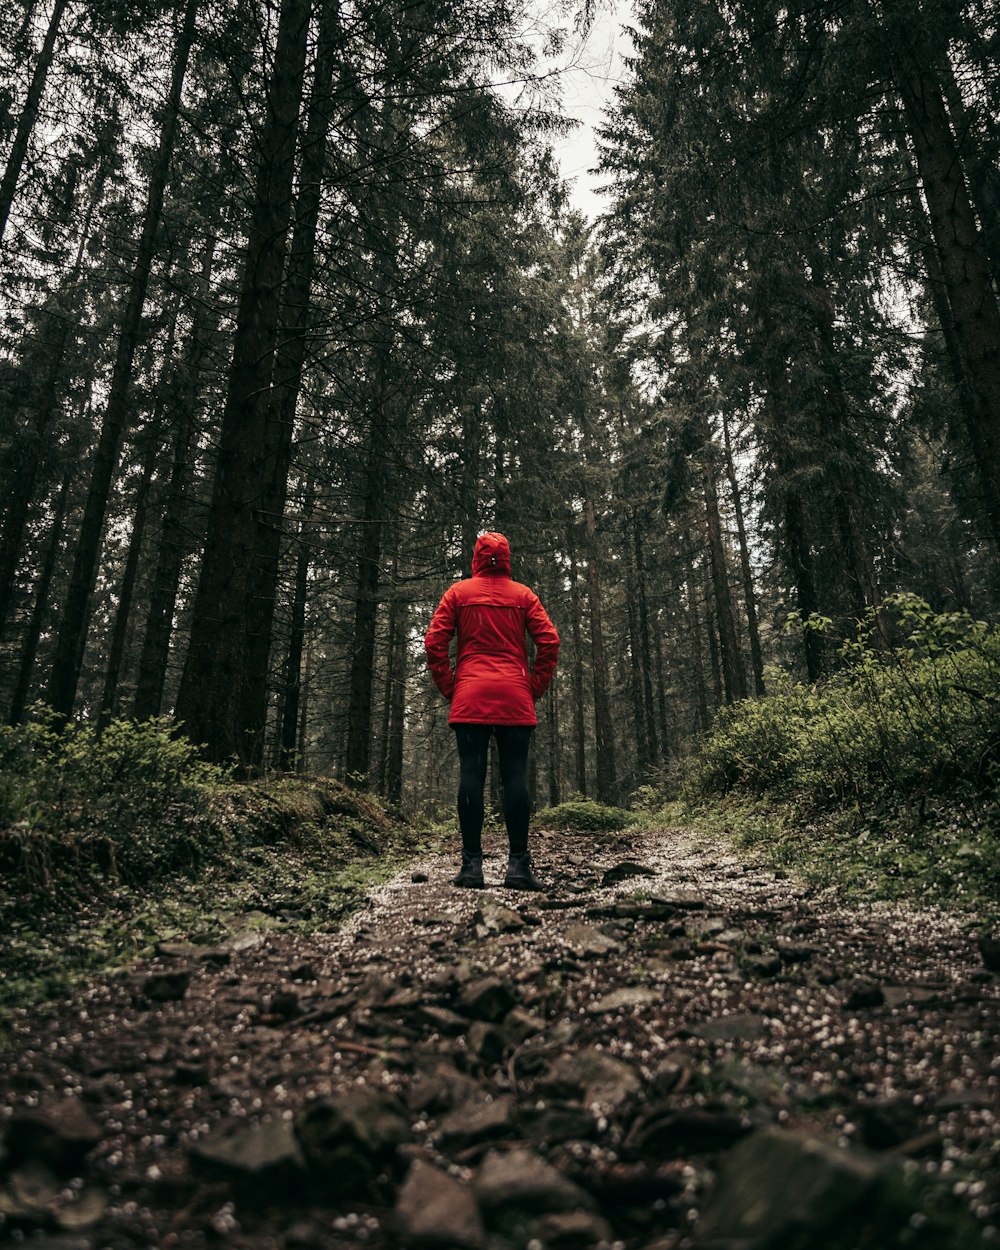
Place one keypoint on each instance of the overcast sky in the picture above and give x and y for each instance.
(595, 68)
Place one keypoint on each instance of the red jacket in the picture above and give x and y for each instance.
(491, 683)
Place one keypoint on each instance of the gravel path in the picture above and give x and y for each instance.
(604, 1064)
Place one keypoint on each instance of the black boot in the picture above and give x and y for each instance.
(470, 874)
(519, 874)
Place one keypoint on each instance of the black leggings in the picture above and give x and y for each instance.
(513, 742)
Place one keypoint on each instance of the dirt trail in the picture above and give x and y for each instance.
(669, 1047)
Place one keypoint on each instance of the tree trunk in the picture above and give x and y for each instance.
(173, 542)
(579, 730)
(287, 760)
(644, 646)
(661, 695)
(397, 705)
(288, 364)
(749, 596)
(29, 115)
(555, 753)
(72, 637)
(695, 632)
(964, 261)
(123, 613)
(733, 672)
(38, 609)
(603, 726)
(210, 700)
(635, 674)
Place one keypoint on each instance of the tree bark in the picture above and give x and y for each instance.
(289, 759)
(603, 726)
(733, 672)
(210, 699)
(964, 261)
(41, 603)
(29, 115)
(289, 360)
(697, 664)
(749, 595)
(644, 643)
(72, 637)
(579, 730)
(173, 540)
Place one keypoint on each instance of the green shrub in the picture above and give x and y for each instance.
(581, 813)
(921, 717)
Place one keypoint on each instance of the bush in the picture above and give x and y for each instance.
(581, 813)
(919, 718)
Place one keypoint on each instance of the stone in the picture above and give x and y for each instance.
(694, 1129)
(583, 939)
(559, 1122)
(777, 1188)
(797, 952)
(261, 1161)
(440, 1090)
(441, 1019)
(744, 1026)
(84, 1213)
(284, 1005)
(29, 1197)
(519, 1025)
(493, 917)
(519, 1180)
(179, 950)
(573, 1228)
(303, 972)
(621, 1000)
(763, 965)
(419, 878)
(862, 994)
(58, 1134)
(243, 940)
(989, 949)
(482, 1120)
(683, 900)
(486, 1042)
(597, 1078)
(488, 999)
(167, 987)
(627, 869)
(434, 1209)
(347, 1140)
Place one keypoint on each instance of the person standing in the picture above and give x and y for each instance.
(492, 690)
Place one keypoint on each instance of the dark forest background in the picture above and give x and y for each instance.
(292, 306)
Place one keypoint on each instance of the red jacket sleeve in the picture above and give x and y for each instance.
(439, 634)
(546, 640)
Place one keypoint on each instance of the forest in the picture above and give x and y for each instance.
(294, 305)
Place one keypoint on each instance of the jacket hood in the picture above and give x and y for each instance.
(492, 555)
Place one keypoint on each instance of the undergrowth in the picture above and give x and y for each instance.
(883, 777)
(109, 844)
(585, 814)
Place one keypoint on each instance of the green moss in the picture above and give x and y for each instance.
(584, 814)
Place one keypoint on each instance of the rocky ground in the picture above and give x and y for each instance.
(670, 1047)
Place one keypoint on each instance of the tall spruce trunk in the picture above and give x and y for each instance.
(644, 640)
(289, 360)
(29, 650)
(734, 676)
(696, 634)
(635, 674)
(605, 779)
(289, 758)
(963, 256)
(746, 571)
(579, 730)
(397, 704)
(72, 638)
(29, 115)
(21, 489)
(174, 542)
(126, 589)
(210, 699)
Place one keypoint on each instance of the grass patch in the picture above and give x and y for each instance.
(110, 844)
(585, 814)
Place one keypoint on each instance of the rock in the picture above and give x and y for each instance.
(261, 1161)
(244, 940)
(573, 1228)
(419, 878)
(693, 1130)
(284, 1005)
(559, 1122)
(621, 1000)
(167, 987)
(520, 1180)
(493, 917)
(303, 972)
(29, 1197)
(777, 1188)
(586, 940)
(434, 1209)
(667, 1075)
(441, 1019)
(519, 1025)
(989, 948)
(907, 995)
(863, 994)
(489, 999)
(84, 1213)
(620, 1183)
(889, 1123)
(486, 1042)
(683, 900)
(597, 1078)
(763, 965)
(797, 952)
(59, 1134)
(484, 1120)
(744, 1026)
(440, 1090)
(179, 950)
(348, 1139)
(627, 869)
